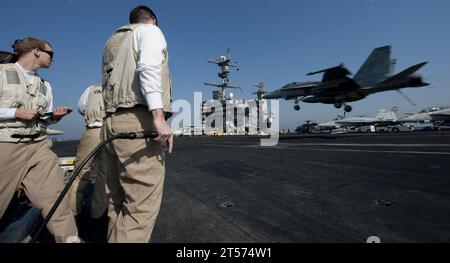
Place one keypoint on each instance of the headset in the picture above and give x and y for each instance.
(9, 57)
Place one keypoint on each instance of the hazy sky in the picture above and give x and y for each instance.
(275, 41)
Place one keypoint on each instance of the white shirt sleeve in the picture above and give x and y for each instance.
(82, 102)
(149, 44)
(7, 114)
(50, 104)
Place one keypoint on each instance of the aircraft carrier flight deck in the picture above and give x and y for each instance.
(309, 188)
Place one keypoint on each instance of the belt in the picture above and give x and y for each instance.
(25, 136)
(167, 114)
(129, 108)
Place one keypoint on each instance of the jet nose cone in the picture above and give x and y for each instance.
(266, 96)
(269, 95)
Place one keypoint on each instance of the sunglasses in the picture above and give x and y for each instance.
(50, 53)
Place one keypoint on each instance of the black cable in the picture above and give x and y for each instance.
(128, 136)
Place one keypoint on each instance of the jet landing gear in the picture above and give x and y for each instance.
(296, 106)
(347, 108)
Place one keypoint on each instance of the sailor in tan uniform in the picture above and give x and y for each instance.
(137, 94)
(26, 161)
(90, 105)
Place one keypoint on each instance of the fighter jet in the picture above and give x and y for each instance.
(336, 87)
(441, 113)
(384, 117)
(329, 125)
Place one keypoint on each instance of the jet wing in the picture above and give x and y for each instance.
(365, 123)
(353, 124)
(333, 73)
(301, 85)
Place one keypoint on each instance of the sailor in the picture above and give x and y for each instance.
(137, 94)
(90, 105)
(27, 162)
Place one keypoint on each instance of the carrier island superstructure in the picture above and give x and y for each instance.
(225, 114)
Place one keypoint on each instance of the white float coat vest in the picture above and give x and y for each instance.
(95, 110)
(121, 86)
(16, 92)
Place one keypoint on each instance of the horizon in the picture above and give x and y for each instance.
(277, 42)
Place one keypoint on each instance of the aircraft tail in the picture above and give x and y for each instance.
(405, 73)
(375, 68)
(386, 115)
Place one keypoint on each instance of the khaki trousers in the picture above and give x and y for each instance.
(34, 168)
(135, 177)
(99, 204)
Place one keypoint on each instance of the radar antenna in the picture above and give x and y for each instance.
(225, 63)
(261, 89)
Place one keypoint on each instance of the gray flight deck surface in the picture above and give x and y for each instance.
(316, 188)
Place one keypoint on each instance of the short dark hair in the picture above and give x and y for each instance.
(23, 46)
(141, 14)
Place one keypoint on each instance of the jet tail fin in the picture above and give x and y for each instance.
(375, 68)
